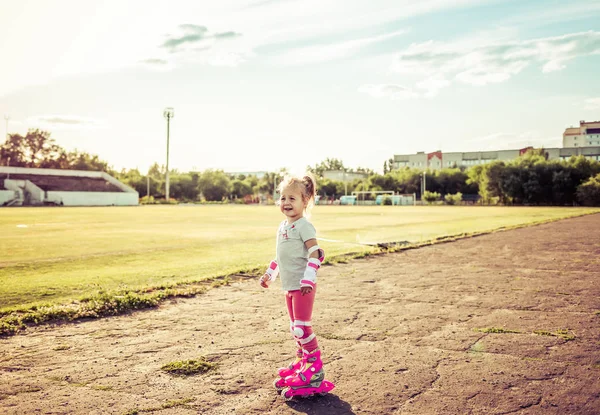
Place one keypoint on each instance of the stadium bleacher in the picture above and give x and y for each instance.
(65, 183)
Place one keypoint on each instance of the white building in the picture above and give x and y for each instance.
(438, 160)
(577, 141)
(586, 135)
(343, 176)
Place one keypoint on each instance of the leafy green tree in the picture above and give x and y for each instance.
(512, 185)
(38, 149)
(388, 166)
(588, 193)
(327, 164)
(453, 199)
(488, 179)
(133, 178)
(35, 149)
(215, 185)
(362, 170)
(452, 181)
(382, 182)
(241, 188)
(431, 197)
(330, 188)
(406, 180)
(184, 186)
(563, 188)
(583, 168)
(85, 161)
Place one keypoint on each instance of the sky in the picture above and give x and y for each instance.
(261, 85)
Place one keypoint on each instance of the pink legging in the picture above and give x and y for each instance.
(300, 307)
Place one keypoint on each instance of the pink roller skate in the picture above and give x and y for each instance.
(309, 380)
(287, 372)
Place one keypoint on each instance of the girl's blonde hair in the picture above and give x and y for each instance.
(305, 184)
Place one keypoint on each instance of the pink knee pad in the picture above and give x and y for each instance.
(302, 331)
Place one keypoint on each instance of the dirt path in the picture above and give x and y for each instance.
(398, 333)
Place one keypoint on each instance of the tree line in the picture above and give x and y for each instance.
(528, 180)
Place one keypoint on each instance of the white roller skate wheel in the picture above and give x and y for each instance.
(277, 388)
(286, 394)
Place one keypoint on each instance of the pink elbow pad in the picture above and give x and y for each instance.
(272, 271)
(310, 273)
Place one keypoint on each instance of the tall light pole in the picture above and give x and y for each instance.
(168, 113)
(6, 118)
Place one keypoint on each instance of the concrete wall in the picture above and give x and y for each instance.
(93, 198)
(592, 153)
(33, 194)
(6, 195)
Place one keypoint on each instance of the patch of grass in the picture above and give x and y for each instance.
(189, 367)
(478, 347)
(102, 387)
(561, 333)
(264, 342)
(176, 402)
(61, 347)
(496, 330)
(169, 404)
(101, 305)
(221, 282)
(223, 391)
(67, 379)
(331, 336)
(32, 389)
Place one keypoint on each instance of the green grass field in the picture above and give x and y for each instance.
(57, 255)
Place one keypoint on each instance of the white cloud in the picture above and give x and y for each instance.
(432, 86)
(331, 51)
(196, 43)
(496, 62)
(192, 35)
(62, 122)
(592, 104)
(391, 91)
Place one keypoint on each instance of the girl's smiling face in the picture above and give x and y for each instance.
(291, 203)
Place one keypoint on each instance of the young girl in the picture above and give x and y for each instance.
(297, 260)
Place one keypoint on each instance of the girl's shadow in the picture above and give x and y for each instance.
(321, 405)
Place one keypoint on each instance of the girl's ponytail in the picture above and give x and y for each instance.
(311, 189)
